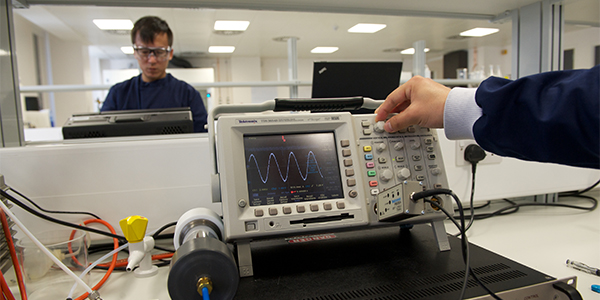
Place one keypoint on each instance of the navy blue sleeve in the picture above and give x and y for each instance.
(110, 103)
(549, 117)
(198, 112)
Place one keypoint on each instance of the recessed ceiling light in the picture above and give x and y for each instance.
(411, 51)
(127, 49)
(366, 28)
(479, 32)
(113, 24)
(221, 49)
(231, 25)
(324, 49)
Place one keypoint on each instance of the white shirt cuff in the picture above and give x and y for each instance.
(460, 113)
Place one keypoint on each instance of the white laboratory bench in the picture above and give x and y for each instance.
(542, 238)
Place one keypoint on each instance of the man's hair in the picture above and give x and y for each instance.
(149, 27)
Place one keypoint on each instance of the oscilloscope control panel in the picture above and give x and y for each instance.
(288, 173)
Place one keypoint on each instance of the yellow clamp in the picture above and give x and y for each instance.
(134, 228)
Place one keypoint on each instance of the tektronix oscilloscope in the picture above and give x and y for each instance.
(284, 173)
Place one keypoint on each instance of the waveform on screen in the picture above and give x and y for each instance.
(287, 173)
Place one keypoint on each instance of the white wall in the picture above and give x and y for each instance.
(583, 40)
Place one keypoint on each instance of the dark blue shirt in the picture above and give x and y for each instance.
(167, 92)
(547, 117)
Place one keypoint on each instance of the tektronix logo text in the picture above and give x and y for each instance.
(247, 121)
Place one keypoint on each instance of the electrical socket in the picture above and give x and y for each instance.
(461, 145)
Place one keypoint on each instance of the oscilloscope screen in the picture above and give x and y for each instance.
(289, 168)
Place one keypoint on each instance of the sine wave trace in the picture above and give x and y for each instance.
(287, 173)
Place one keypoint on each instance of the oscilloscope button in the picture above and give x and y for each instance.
(367, 148)
(365, 123)
(327, 206)
(367, 131)
(370, 165)
(351, 182)
(368, 156)
(300, 208)
(314, 207)
(346, 152)
(258, 212)
(345, 143)
(287, 210)
(340, 204)
(273, 211)
(349, 172)
(348, 162)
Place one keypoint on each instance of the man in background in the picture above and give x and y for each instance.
(152, 40)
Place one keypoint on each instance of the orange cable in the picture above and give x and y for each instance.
(13, 255)
(5, 289)
(114, 259)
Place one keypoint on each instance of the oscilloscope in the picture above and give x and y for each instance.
(290, 173)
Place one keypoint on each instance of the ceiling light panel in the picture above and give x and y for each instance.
(221, 49)
(479, 32)
(366, 28)
(324, 50)
(231, 25)
(411, 51)
(113, 24)
(127, 50)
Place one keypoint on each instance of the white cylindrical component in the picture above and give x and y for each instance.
(436, 171)
(398, 146)
(197, 222)
(381, 147)
(403, 173)
(386, 175)
(416, 145)
(379, 126)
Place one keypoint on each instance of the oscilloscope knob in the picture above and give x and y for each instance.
(403, 173)
(398, 146)
(416, 145)
(386, 175)
(379, 126)
(381, 147)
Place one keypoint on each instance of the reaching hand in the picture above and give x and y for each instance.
(419, 101)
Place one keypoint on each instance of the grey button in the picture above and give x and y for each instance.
(347, 162)
(346, 152)
(287, 210)
(351, 182)
(300, 208)
(259, 212)
(314, 207)
(340, 205)
(250, 226)
(273, 211)
(349, 172)
(345, 143)
(327, 206)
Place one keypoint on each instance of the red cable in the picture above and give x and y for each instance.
(5, 289)
(13, 255)
(114, 259)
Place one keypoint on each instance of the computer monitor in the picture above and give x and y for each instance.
(129, 122)
(374, 80)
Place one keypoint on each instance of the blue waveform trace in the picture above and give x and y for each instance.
(304, 177)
